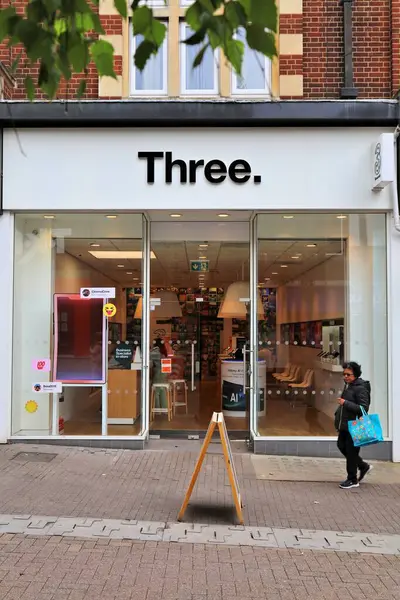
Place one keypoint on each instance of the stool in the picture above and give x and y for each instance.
(161, 411)
(175, 384)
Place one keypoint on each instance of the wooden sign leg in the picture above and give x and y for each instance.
(230, 467)
(196, 471)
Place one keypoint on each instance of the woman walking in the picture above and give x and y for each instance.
(356, 394)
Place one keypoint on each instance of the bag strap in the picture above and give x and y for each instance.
(364, 414)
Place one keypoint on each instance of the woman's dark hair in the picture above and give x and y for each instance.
(353, 366)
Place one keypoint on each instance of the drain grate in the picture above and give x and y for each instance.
(42, 457)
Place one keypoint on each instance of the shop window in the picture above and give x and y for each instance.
(256, 73)
(67, 268)
(201, 80)
(153, 80)
(324, 301)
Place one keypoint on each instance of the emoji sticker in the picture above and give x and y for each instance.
(31, 406)
(109, 310)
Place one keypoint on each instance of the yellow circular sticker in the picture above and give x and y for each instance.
(109, 310)
(31, 406)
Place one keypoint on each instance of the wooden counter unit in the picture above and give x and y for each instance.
(124, 396)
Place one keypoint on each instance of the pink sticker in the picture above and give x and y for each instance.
(41, 364)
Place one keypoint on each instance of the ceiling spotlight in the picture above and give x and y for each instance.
(295, 257)
(111, 216)
(202, 257)
(129, 273)
(275, 273)
(175, 216)
(95, 245)
(283, 266)
(223, 215)
(120, 266)
(341, 217)
(288, 216)
(203, 245)
(136, 279)
(267, 278)
(311, 245)
(48, 217)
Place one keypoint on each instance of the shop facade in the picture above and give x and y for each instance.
(243, 265)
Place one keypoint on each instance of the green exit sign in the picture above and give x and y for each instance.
(199, 266)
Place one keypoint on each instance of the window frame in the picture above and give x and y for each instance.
(132, 70)
(266, 93)
(184, 92)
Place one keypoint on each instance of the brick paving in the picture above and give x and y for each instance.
(56, 568)
(150, 485)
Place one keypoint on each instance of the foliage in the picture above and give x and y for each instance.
(62, 37)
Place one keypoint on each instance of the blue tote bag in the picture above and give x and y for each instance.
(366, 430)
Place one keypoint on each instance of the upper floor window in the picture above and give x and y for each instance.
(201, 80)
(153, 80)
(256, 72)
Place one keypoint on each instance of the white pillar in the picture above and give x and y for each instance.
(6, 322)
(394, 337)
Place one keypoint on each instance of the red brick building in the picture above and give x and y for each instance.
(310, 64)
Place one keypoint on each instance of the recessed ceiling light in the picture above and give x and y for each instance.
(267, 278)
(119, 254)
(288, 216)
(95, 245)
(275, 273)
(283, 266)
(48, 217)
(111, 216)
(202, 257)
(295, 257)
(175, 216)
(311, 245)
(203, 245)
(129, 273)
(121, 266)
(223, 215)
(341, 217)
(136, 279)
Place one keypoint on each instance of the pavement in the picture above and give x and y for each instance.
(83, 523)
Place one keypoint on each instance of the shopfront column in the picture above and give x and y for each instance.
(6, 323)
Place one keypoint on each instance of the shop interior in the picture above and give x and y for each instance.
(199, 332)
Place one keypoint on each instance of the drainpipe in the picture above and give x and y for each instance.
(348, 92)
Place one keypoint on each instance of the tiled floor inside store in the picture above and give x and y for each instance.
(282, 418)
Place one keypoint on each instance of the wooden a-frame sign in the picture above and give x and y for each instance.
(217, 419)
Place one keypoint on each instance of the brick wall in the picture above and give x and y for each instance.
(311, 40)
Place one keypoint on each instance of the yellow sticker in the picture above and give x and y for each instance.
(31, 406)
(109, 310)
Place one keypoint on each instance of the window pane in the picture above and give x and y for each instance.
(322, 283)
(152, 76)
(253, 69)
(201, 77)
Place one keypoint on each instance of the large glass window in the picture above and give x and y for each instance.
(322, 281)
(256, 72)
(67, 269)
(153, 80)
(201, 80)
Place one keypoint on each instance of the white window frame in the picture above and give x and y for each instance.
(164, 52)
(157, 3)
(266, 93)
(182, 68)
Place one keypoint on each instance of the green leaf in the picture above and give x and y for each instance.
(246, 5)
(122, 8)
(103, 55)
(234, 50)
(29, 88)
(196, 38)
(261, 40)
(214, 39)
(141, 19)
(193, 16)
(207, 6)
(78, 56)
(81, 89)
(197, 61)
(143, 53)
(235, 14)
(264, 12)
(157, 32)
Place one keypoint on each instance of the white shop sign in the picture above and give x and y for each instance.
(383, 161)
